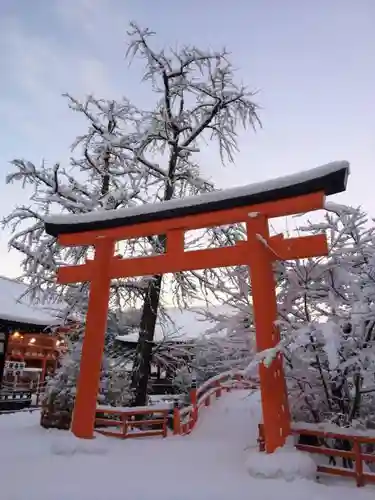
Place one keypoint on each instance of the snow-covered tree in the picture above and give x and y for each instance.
(132, 156)
(198, 101)
(327, 312)
(327, 321)
(98, 178)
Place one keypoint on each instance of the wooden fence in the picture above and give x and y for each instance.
(129, 422)
(353, 456)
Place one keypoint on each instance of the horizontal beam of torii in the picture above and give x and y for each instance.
(252, 205)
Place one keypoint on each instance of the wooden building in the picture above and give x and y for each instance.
(34, 344)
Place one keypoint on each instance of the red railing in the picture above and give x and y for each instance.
(355, 454)
(356, 459)
(129, 422)
(186, 418)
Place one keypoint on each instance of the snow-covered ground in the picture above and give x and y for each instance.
(213, 463)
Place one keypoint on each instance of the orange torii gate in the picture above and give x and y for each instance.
(252, 205)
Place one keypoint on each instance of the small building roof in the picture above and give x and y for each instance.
(21, 310)
(184, 325)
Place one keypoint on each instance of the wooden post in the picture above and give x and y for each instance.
(261, 442)
(165, 424)
(273, 390)
(218, 390)
(358, 463)
(83, 421)
(44, 369)
(124, 426)
(194, 399)
(176, 419)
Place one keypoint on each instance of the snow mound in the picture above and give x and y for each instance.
(285, 463)
(70, 445)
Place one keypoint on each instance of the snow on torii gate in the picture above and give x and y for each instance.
(252, 205)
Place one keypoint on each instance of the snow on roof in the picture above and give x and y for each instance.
(12, 308)
(330, 179)
(187, 324)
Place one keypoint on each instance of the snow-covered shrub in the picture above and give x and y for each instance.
(327, 312)
(114, 387)
(183, 379)
(327, 321)
(58, 400)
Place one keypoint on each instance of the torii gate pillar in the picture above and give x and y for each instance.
(275, 406)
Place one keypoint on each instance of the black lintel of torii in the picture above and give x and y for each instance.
(329, 179)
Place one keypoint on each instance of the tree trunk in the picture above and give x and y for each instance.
(143, 353)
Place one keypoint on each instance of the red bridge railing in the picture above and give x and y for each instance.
(327, 443)
(185, 419)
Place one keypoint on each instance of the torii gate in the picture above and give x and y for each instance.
(252, 205)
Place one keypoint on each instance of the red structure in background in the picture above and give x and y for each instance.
(32, 342)
(252, 205)
(40, 351)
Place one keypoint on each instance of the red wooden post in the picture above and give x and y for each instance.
(44, 369)
(261, 441)
(273, 390)
(194, 398)
(165, 423)
(176, 419)
(358, 463)
(83, 421)
(124, 426)
(218, 390)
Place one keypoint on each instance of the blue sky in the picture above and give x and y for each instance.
(312, 61)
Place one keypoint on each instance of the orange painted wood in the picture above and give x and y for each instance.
(300, 248)
(149, 433)
(124, 425)
(337, 435)
(138, 434)
(136, 423)
(177, 426)
(272, 381)
(368, 458)
(76, 274)
(356, 453)
(84, 413)
(369, 478)
(323, 450)
(105, 422)
(176, 242)
(132, 411)
(218, 390)
(176, 260)
(290, 206)
(358, 463)
(165, 428)
(336, 471)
